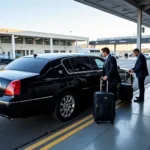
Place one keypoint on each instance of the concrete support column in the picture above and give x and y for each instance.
(139, 27)
(76, 46)
(25, 52)
(51, 45)
(88, 44)
(115, 49)
(13, 46)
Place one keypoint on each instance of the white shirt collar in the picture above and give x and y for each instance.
(107, 56)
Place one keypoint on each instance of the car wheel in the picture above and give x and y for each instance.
(66, 107)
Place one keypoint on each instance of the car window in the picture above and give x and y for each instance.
(34, 65)
(67, 65)
(56, 70)
(97, 63)
(81, 64)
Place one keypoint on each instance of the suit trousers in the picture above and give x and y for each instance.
(141, 81)
(112, 88)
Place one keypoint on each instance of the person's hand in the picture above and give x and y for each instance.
(105, 78)
(131, 71)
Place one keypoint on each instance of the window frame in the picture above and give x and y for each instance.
(81, 72)
(26, 38)
(21, 41)
(54, 42)
(47, 51)
(45, 42)
(95, 65)
(7, 42)
(39, 41)
(51, 67)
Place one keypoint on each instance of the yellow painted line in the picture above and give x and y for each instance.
(57, 133)
(72, 132)
(67, 135)
(37, 144)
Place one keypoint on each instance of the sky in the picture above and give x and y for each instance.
(63, 17)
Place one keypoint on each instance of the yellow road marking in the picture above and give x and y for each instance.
(72, 133)
(57, 134)
(63, 131)
(66, 136)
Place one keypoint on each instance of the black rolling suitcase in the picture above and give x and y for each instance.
(104, 106)
(125, 92)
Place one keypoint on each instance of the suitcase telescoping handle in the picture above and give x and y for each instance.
(101, 85)
(126, 76)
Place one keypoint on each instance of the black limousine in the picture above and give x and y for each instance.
(49, 82)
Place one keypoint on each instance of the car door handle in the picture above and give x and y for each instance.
(49, 79)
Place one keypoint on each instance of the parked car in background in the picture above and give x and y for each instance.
(113, 54)
(147, 56)
(4, 59)
(118, 54)
(56, 83)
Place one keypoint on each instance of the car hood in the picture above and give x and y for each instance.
(16, 75)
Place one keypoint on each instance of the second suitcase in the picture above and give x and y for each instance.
(125, 92)
(104, 106)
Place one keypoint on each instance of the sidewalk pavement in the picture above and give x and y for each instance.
(131, 131)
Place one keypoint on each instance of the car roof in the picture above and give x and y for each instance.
(52, 56)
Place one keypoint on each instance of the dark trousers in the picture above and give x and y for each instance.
(112, 88)
(141, 88)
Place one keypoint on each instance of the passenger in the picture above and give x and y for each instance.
(127, 55)
(110, 71)
(141, 72)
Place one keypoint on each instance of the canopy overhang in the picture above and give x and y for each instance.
(127, 9)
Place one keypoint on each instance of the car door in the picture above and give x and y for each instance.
(97, 65)
(83, 70)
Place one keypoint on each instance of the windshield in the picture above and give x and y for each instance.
(34, 65)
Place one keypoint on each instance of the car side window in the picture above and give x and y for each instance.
(56, 70)
(97, 63)
(67, 65)
(81, 64)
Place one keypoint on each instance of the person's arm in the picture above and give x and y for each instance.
(140, 65)
(113, 67)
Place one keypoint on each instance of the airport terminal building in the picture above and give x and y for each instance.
(17, 43)
(121, 44)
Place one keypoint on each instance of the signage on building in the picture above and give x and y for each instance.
(122, 41)
(112, 41)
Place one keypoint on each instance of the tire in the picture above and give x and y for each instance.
(66, 107)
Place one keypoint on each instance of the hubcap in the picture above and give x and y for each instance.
(67, 106)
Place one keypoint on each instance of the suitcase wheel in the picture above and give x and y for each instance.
(97, 122)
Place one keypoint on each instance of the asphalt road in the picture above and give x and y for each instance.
(14, 134)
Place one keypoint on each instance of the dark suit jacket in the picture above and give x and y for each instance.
(110, 70)
(140, 68)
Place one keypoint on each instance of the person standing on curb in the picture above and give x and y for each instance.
(110, 71)
(141, 72)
